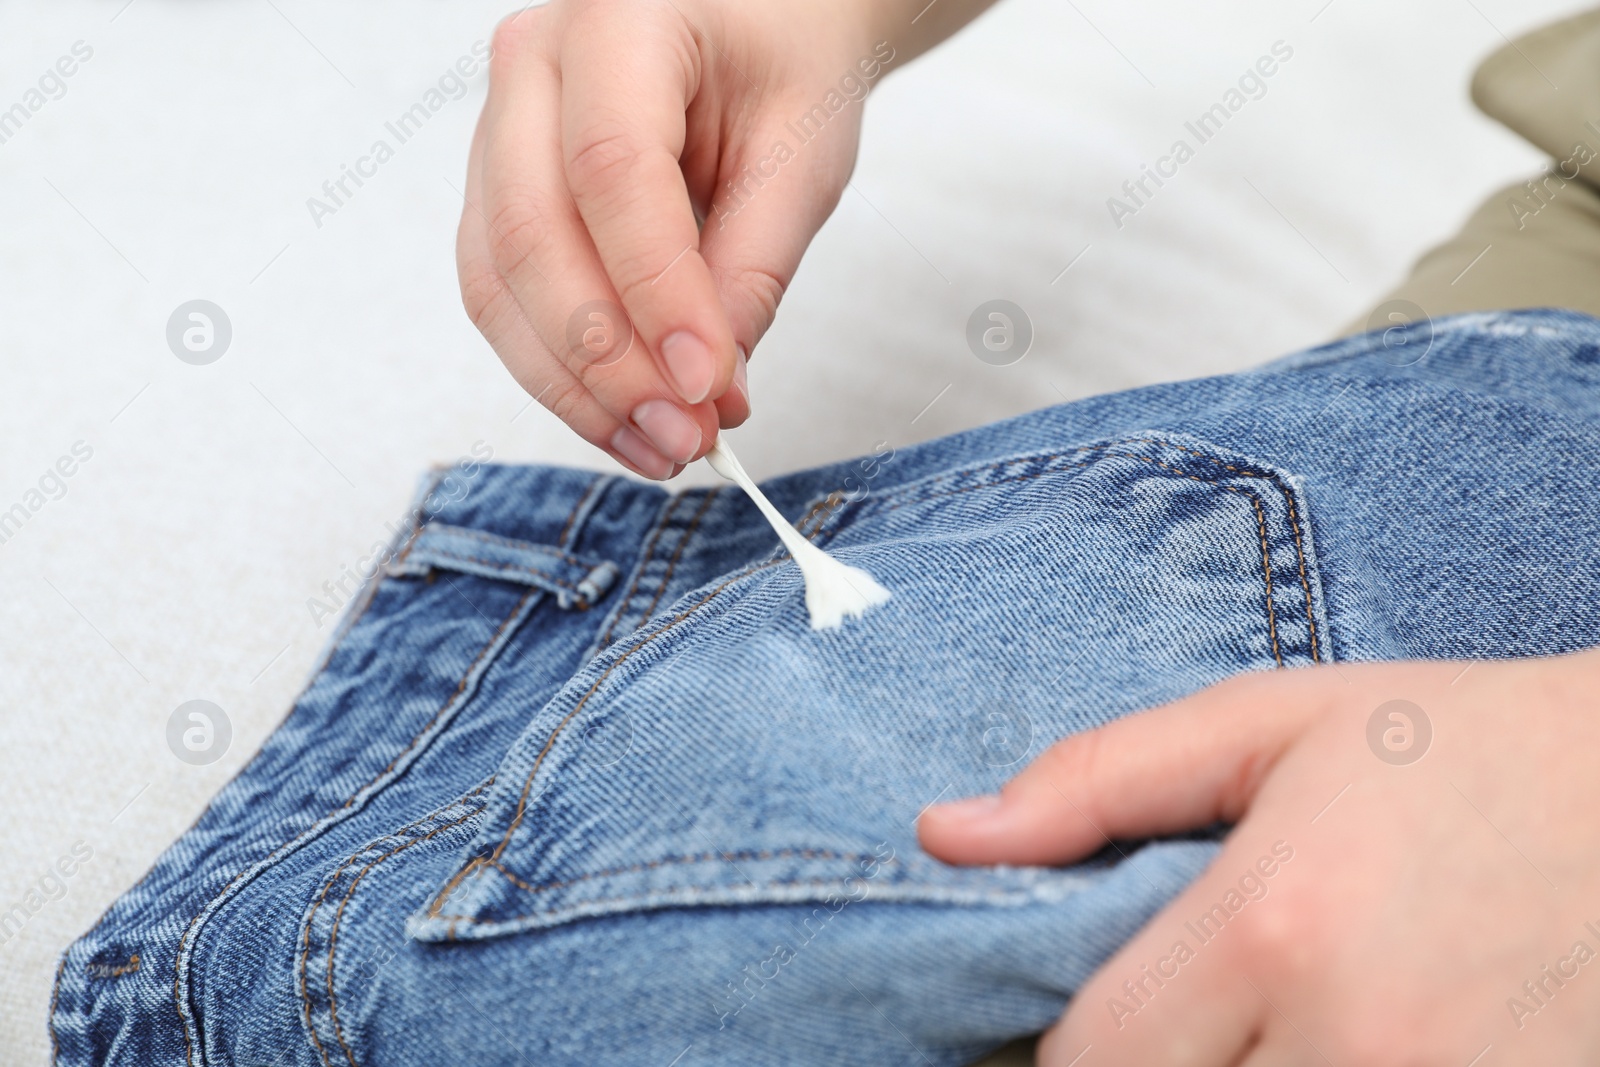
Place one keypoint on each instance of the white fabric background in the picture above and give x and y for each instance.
(219, 499)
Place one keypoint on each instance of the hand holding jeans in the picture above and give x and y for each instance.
(1377, 908)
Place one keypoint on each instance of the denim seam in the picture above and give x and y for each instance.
(690, 894)
(403, 547)
(820, 511)
(667, 510)
(918, 498)
(1243, 472)
(184, 1020)
(492, 860)
(1294, 526)
(1261, 516)
(316, 905)
(184, 949)
(579, 515)
(677, 554)
(338, 916)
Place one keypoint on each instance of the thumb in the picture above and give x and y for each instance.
(1186, 764)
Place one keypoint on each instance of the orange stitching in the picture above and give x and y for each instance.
(683, 542)
(405, 549)
(522, 800)
(1266, 567)
(417, 522)
(333, 933)
(102, 970)
(638, 574)
(460, 685)
(177, 971)
(1305, 584)
(827, 504)
(680, 617)
(316, 906)
(1261, 527)
(1294, 526)
(1294, 519)
(178, 975)
(670, 861)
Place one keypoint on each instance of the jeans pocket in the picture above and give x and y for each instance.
(727, 754)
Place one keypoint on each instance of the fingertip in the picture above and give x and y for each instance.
(951, 831)
(691, 365)
(741, 375)
(1025, 825)
(635, 453)
(968, 810)
(669, 430)
(733, 406)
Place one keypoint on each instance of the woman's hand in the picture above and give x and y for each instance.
(613, 128)
(1414, 877)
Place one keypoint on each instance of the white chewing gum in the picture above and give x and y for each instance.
(834, 590)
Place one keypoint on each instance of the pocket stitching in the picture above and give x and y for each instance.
(1243, 472)
(434, 908)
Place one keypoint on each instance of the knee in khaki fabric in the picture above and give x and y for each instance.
(1534, 243)
(1515, 251)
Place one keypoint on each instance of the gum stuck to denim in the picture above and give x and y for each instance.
(578, 784)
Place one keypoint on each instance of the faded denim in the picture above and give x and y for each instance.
(577, 784)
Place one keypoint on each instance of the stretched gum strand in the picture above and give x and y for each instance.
(834, 591)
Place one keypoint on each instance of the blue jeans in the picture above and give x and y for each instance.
(577, 783)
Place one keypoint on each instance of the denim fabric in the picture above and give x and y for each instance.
(577, 783)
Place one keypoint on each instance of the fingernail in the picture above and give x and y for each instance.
(970, 808)
(636, 450)
(741, 375)
(691, 364)
(672, 432)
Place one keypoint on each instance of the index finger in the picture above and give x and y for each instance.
(628, 74)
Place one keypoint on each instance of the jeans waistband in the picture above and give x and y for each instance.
(624, 547)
